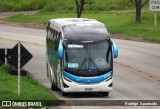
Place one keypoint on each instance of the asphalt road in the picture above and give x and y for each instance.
(136, 70)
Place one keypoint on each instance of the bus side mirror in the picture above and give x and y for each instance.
(115, 49)
(60, 50)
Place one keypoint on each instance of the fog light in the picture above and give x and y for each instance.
(111, 85)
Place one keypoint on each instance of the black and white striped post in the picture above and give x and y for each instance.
(5, 58)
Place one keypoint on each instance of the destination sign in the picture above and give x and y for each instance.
(154, 5)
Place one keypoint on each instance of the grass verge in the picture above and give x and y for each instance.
(118, 23)
(30, 89)
(54, 5)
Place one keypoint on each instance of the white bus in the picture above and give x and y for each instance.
(79, 55)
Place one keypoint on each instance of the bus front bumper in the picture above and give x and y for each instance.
(105, 86)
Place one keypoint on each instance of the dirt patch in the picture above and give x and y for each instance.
(25, 25)
(119, 36)
(8, 14)
(125, 37)
(127, 11)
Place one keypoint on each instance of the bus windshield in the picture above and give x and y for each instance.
(91, 56)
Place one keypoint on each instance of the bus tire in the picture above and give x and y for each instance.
(47, 70)
(53, 87)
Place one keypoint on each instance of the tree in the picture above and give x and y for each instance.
(139, 4)
(79, 5)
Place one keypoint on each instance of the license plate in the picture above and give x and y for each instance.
(88, 89)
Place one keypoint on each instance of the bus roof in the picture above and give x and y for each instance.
(70, 21)
(81, 29)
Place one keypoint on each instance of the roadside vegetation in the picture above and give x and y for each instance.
(30, 89)
(54, 5)
(118, 23)
(121, 24)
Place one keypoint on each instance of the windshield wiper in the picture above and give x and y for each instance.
(94, 65)
(81, 64)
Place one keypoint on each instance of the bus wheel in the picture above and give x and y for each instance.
(53, 87)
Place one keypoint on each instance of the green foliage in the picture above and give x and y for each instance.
(54, 5)
(118, 23)
(103, 5)
(21, 5)
(6, 68)
(30, 89)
